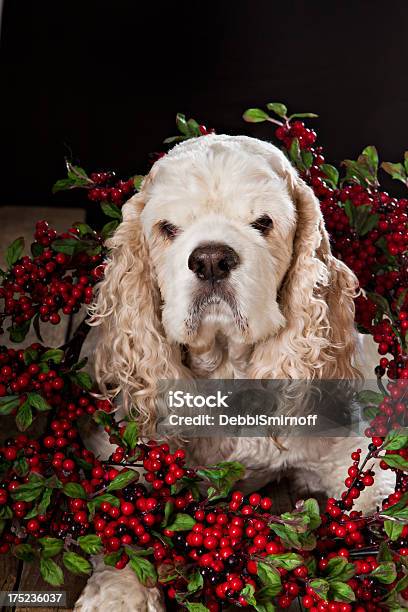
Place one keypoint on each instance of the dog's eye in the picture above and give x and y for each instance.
(168, 229)
(263, 224)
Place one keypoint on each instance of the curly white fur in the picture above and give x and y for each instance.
(295, 298)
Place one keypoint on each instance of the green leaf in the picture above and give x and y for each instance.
(45, 501)
(302, 116)
(396, 440)
(266, 606)
(30, 356)
(370, 397)
(14, 251)
(307, 158)
(311, 507)
(248, 594)
(182, 125)
(277, 108)
(19, 332)
(397, 171)
(195, 607)
(144, 570)
(396, 461)
(393, 529)
(109, 229)
(69, 246)
(5, 512)
(332, 175)
(112, 558)
(111, 210)
(76, 563)
(91, 544)
(38, 402)
(182, 522)
(222, 476)
(131, 435)
(269, 577)
(63, 185)
(50, 547)
(195, 582)
(255, 115)
(73, 489)
(51, 572)
(122, 480)
(20, 466)
(25, 552)
(340, 569)
(29, 491)
(54, 355)
(371, 153)
(8, 403)
(24, 416)
(168, 511)
(385, 572)
(288, 561)
(84, 229)
(294, 151)
(287, 534)
(320, 587)
(137, 181)
(82, 379)
(340, 591)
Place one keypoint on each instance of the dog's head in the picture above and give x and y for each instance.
(224, 237)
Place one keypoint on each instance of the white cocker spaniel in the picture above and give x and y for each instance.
(222, 268)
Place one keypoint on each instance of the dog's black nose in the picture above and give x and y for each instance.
(213, 261)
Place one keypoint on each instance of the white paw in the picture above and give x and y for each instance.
(118, 590)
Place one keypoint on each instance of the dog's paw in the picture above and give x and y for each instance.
(119, 590)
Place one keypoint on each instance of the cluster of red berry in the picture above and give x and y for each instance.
(59, 277)
(107, 189)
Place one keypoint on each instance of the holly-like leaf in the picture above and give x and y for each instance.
(248, 594)
(302, 116)
(50, 547)
(222, 476)
(396, 461)
(122, 480)
(45, 501)
(340, 591)
(168, 511)
(385, 572)
(76, 563)
(109, 229)
(144, 570)
(14, 251)
(111, 210)
(307, 158)
(393, 529)
(137, 181)
(17, 333)
(320, 587)
(112, 558)
(28, 491)
(30, 356)
(396, 171)
(311, 507)
(269, 577)
(288, 561)
(182, 522)
(20, 466)
(195, 582)
(331, 175)
(24, 416)
(131, 435)
(287, 534)
(339, 569)
(255, 115)
(195, 607)
(91, 544)
(35, 400)
(82, 379)
(278, 108)
(54, 355)
(5, 512)
(51, 572)
(396, 440)
(25, 552)
(73, 489)
(8, 403)
(370, 397)
(182, 125)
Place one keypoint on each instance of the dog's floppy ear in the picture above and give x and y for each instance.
(132, 354)
(317, 301)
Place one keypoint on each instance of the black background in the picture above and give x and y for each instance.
(103, 80)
